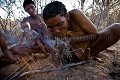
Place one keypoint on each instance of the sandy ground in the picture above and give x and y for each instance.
(108, 69)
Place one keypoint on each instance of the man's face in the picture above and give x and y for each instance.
(58, 25)
(30, 9)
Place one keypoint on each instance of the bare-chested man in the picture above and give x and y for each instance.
(74, 23)
(35, 20)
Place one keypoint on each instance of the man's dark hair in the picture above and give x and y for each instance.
(26, 2)
(54, 8)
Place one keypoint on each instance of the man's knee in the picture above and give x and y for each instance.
(115, 28)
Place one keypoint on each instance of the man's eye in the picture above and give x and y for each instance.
(60, 24)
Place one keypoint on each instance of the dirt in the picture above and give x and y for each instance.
(108, 69)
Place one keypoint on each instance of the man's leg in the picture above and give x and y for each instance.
(23, 50)
(20, 50)
(107, 38)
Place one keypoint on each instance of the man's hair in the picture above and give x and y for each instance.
(26, 2)
(54, 8)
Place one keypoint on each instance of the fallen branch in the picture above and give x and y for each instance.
(51, 70)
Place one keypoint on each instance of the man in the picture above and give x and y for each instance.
(31, 36)
(7, 57)
(34, 19)
(75, 24)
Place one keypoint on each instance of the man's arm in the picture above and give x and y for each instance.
(4, 47)
(3, 44)
(41, 46)
(83, 21)
(44, 30)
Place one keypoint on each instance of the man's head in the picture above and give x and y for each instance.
(29, 7)
(26, 26)
(53, 9)
(56, 17)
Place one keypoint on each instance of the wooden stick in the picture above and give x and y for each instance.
(50, 70)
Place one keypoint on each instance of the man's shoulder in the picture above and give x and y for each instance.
(74, 12)
(40, 17)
